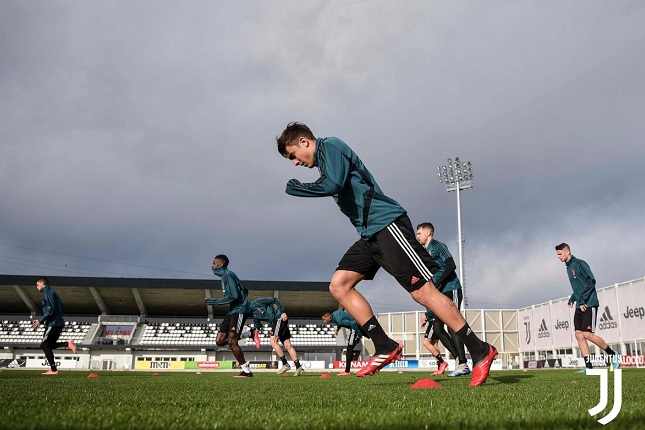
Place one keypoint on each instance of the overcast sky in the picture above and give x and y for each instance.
(137, 138)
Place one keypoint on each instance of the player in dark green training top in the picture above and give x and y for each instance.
(234, 295)
(447, 282)
(387, 240)
(586, 301)
(271, 310)
(344, 320)
(54, 323)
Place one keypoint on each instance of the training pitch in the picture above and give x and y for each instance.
(548, 399)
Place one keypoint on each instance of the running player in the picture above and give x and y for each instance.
(447, 282)
(53, 320)
(234, 295)
(387, 240)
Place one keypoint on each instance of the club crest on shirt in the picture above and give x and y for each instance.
(573, 273)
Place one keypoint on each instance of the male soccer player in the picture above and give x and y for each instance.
(447, 282)
(431, 339)
(235, 295)
(271, 310)
(387, 240)
(52, 319)
(585, 298)
(343, 320)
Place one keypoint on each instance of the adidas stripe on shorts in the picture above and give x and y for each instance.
(585, 321)
(396, 249)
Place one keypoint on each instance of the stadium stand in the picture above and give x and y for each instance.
(174, 334)
(20, 332)
(118, 323)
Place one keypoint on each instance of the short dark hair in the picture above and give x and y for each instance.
(426, 225)
(291, 134)
(562, 246)
(223, 258)
(43, 279)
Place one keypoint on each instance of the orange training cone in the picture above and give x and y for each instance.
(426, 383)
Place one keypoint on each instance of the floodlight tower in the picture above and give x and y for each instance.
(458, 176)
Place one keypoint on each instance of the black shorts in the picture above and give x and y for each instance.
(281, 330)
(51, 336)
(585, 321)
(232, 323)
(456, 296)
(430, 333)
(396, 249)
(354, 338)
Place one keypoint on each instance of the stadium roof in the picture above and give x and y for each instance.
(156, 297)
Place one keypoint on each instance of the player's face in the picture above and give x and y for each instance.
(302, 153)
(40, 285)
(563, 255)
(424, 236)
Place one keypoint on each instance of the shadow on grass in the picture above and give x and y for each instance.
(510, 379)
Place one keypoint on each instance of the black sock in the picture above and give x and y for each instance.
(439, 359)
(476, 347)
(297, 363)
(609, 351)
(284, 360)
(588, 362)
(382, 343)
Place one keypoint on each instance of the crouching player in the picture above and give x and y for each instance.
(344, 320)
(271, 310)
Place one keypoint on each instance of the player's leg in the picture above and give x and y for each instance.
(430, 343)
(352, 340)
(222, 334)
(293, 354)
(273, 340)
(284, 334)
(48, 344)
(235, 328)
(582, 323)
(597, 340)
(461, 367)
(406, 259)
(439, 332)
(358, 264)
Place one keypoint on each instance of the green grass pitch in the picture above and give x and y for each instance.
(547, 399)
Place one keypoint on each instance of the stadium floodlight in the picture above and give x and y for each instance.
(458, 176)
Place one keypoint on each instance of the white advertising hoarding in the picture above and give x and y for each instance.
(631, 298)
(542, 328)
(607, 318)
(561, 324)
(525, 325)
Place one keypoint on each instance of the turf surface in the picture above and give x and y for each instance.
(215, 400)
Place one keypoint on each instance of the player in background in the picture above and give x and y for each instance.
(234, 295)
(431, 339)
(387, 240)
(271, 310)
(343, 320)
(447, 282)
(54, 323)
(586, 301)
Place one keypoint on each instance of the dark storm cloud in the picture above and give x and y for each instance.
(138, 138)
